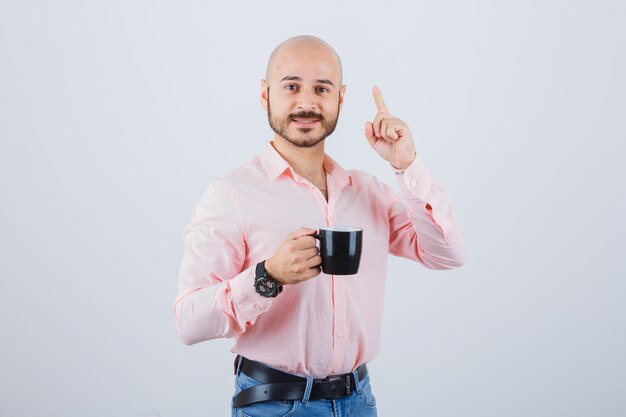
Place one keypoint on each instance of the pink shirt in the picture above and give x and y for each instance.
(326, 325)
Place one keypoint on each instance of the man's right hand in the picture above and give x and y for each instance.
(297, 259)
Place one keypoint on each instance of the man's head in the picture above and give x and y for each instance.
(303, 83)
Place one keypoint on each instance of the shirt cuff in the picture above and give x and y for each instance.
(248, 303)
(416, 181)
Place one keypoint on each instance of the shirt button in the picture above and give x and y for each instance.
(413, 183)
(258, 306)
(339, 334)
(338, 295)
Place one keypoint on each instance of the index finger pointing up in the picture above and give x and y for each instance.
(378, 98)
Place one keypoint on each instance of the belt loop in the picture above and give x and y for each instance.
(307, 390)
(238, 361)
(357, 382)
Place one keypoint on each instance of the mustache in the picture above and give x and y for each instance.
(307, 115)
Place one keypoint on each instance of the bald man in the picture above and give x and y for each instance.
(251, 268)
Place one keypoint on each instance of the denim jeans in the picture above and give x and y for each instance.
(361, 403)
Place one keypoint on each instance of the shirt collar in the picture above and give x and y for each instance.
(276, 165)
(341, 177)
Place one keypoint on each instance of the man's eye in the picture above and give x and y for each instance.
(322, 89)
(291, 87)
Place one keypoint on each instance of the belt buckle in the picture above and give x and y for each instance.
(346, 379)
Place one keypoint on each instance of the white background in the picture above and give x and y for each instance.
(115, 116)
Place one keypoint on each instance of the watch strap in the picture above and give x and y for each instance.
(260, 269)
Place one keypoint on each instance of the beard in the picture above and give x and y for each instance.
(302, 139)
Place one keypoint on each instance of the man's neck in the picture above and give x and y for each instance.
(307, 162)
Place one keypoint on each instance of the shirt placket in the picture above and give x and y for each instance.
(339, 306)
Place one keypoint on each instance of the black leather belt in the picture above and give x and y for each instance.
(277, 385)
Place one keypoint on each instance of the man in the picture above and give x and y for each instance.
(303, 346)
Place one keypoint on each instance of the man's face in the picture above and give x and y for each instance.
(303, 128)
(304, 97)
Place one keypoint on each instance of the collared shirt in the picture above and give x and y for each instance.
(326, 325)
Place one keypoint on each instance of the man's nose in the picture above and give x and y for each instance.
(307, 100)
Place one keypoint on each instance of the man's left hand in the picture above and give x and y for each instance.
(389, 136)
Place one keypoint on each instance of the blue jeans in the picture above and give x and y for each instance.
(361, 403)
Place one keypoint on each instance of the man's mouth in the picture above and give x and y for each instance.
(304, 122)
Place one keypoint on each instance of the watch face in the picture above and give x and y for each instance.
(266, 286)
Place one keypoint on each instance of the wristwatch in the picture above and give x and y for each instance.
(264, 284)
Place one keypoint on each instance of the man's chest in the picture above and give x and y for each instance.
(272, 213)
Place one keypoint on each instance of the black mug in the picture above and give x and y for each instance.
(340, 249)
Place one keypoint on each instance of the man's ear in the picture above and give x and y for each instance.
(264, 94)
(342, 92)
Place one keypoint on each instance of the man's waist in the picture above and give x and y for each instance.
(286, 362)
(279, 385)
(267, 374)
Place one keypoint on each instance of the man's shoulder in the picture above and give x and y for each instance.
(363, 178)
(227, 185)
(252, 169)
(369, 184)
(359, 173)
